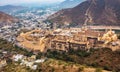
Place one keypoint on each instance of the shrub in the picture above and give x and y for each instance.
(98, 70)
(80, 69)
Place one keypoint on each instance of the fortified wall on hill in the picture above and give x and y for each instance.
(65, 39)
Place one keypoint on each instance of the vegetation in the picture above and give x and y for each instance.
(119, 36)
(51, 65)
(15, 67)
(76, 56)
(10, 47)
(98, 70)
(104, 57)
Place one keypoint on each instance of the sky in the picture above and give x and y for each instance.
(18, 2)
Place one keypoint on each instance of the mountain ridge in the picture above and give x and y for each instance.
(90, 12)
(11, 8)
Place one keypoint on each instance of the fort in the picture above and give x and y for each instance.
(65, 39)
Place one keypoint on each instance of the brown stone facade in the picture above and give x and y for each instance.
(64, 40)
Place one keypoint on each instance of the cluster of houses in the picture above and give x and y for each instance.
(29, 20)
(30, 62)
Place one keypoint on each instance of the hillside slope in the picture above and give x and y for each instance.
(6, 19)
(90, 12)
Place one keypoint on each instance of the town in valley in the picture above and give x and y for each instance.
(60, 36)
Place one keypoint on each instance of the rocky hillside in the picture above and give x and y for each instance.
(6, 19)
(90, 12)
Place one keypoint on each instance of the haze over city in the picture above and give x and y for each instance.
(18, 2)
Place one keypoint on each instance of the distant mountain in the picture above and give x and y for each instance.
(90, 12)
(6, 19)
(69, 3)
(11, 8)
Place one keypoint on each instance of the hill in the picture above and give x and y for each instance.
(6, 19)
(11, 8)
(90, 12)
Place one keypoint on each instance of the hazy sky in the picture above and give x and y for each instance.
(17, 2)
